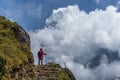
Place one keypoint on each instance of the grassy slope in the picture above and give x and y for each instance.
(11, 50)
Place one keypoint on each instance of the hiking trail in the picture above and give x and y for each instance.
(53, 71)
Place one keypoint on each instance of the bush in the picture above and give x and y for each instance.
(2, 67)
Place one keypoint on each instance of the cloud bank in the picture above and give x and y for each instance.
(73, 36)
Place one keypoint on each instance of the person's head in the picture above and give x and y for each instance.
(40, 49)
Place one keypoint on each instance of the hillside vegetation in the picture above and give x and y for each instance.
(14, 48)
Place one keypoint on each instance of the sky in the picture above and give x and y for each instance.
(32, 15)
(76, 30)
(77, 37)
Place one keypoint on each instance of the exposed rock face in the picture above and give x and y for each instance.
(106, 55)
(21, 34)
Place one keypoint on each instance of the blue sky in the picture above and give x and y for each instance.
(31, 14)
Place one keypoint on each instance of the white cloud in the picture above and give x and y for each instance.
(39, 11)
(76, 37)
(32, 9)
(118, 4)
(97, 1)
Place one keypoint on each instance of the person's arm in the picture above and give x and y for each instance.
(44, 52)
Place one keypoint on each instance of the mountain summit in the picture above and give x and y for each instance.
(16, 58)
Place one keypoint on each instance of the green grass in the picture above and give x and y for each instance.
(11, 50)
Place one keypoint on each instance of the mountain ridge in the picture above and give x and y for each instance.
(16, 58)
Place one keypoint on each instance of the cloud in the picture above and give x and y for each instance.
(39, 11)
(97, 1)
(75, 38)
(118, 4)
(33, 9)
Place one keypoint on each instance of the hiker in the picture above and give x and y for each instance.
(41, 54)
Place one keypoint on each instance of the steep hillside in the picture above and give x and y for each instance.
(14, 49)
(16, 59)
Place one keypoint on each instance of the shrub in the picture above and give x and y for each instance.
(2, 66)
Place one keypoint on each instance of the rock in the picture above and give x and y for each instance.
(21, 34)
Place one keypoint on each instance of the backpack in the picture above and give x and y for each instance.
(39, 53)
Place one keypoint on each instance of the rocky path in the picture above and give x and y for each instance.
(49, 71)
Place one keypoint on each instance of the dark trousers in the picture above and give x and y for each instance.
(40, 62)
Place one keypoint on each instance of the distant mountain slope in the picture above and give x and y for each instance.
(104, 55)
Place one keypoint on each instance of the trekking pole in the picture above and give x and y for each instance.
(45, 58)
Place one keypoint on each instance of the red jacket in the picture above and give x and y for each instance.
(42, 53)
